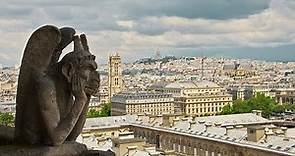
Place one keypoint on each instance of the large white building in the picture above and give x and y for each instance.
(196, 97)
(140, 103)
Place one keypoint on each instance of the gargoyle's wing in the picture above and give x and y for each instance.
(40, 48)
(36, 59)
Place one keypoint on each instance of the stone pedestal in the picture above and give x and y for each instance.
(66, 149)
(6, 135)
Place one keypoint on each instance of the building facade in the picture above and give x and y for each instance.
(285, 95)
(115, 80)
(140, 103)
(242, 93)
(246, 134)
(197, 97)
(237, 71)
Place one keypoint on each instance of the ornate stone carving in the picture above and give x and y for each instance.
(52, 95)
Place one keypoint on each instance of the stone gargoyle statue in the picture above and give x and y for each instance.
(52, 95)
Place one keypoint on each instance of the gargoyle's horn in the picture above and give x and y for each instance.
(84, 42)
(77, 43)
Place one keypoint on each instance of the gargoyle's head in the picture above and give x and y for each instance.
(80, 62)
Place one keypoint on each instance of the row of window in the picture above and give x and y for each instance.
(161, 111)
(203, 90)
(150, 105)
(171, 91)
(211, 99)
(207, 104)
(203, 110)
(149, 100)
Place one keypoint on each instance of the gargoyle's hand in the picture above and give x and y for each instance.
(78, 86)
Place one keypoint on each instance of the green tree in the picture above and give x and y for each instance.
(227, 109)
(279, 109)
(104, 112)
(6, 119)
(240, 106)
(259, 102)
(92, 113)
(283, 108)
(263, 103)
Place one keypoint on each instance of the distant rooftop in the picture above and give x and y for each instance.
(146, 95)
(192, 84)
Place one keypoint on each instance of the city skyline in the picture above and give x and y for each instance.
(148, 77)
(240, 29)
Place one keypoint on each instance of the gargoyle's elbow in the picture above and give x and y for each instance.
(55, 142)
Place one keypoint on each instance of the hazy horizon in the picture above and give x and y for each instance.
(263, 29)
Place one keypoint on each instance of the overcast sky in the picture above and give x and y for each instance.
(263, 29)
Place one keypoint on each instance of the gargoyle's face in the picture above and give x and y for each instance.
(86, 75)
(92, 85)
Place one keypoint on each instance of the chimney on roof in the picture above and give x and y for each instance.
(166, 121)
(227, 128)
(207, 125)
(284, 129)
(217, 124)
(239, 126)
(131, 150)
(191, 123)
(257, 112)
(151, 118)
(255, 133)
(184, 119)
(194, 117)
(174, 121)
(201, 121)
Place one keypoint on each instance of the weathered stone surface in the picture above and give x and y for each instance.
(53, 96)
(99, 153)
(66, 149)
(6, 135)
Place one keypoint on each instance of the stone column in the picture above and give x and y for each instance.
(174, 146)
(202, 152)
(280, 100)
(178, 147)
(190, 150)
(182, 148)
(233, 153)
(217, 153)
(210, 153)
(225, 153)
(170, 144)
(197, 151)
(163, 143)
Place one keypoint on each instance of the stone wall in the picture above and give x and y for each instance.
(186, 144)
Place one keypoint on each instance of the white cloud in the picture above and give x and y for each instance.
(272, 27)
(126, 24)
(110, 29)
